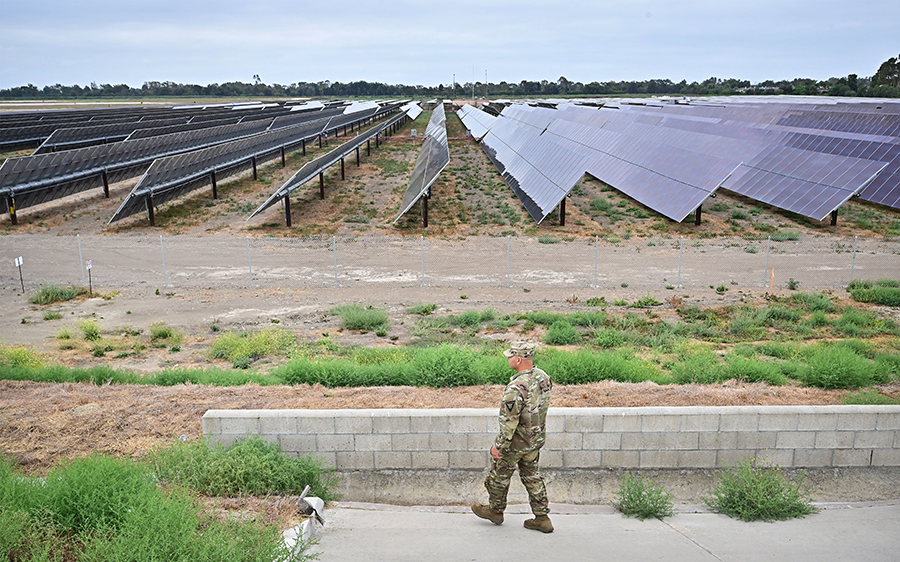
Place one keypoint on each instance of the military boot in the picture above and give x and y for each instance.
(486, 512)
(539, 523)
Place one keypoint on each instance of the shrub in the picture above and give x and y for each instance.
(250, 466)
(422, 309)
(600, 205)
(643, 500)
(444, 366)
(91, 329)
(596, 301)
(608, 337)
(50, 294)
(548, 240)
(752, 492)
(19, 356)
(702, 367)
(561, 333)
(751, 370)
(869, 397)
(52, 315)
(884, 292)
(355, 317)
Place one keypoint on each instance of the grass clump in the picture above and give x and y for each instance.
(561, 332)
(50, 294)
(52, 315)
(643, 500)
(243, 348)
(759, 492)
(250, 466)
(422, 309)
(885, 292)
(839, 366)
(869, 397)
(363, 319)
(161, 331)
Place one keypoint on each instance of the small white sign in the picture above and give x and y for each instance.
(88, 265)
(413, 133)
(19, 261)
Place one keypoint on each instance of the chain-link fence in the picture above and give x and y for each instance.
(645, 264)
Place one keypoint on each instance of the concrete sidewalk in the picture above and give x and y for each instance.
(356, 532)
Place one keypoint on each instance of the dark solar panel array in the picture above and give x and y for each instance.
(32, 180)
(433, 158)
(313, 168)
(171, 177)
(67, 139)
(671, 157)
(159, 131)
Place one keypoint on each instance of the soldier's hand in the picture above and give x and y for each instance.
(495, 453)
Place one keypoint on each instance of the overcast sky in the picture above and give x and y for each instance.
(406, 42)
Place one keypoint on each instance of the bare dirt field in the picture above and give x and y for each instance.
(42, 423)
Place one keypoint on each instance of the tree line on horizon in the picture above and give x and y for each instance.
(885, 83)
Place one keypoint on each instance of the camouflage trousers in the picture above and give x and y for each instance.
(497, 481)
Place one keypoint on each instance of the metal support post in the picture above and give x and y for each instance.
(11, 203)
(287, 209)
(698, 214)
(283, 163)
(320, 141)
(215, 188)
(853, 259)
(342, 169)
(321, 185)
(424, 211)
(303, 143)
(105, 177)
(562, 212)
(368, 148)
(357, 157)
(150, 210)
(253, 163)
(834, 215)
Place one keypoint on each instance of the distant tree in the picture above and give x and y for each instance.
(888, 73)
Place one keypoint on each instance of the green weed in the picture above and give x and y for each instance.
(363, 319)
(50, 294)
(643, 500)
(759, 492)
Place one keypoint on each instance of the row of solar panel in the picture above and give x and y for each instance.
(433, 157)
(32, 180)
(672, 157)
(171, 177)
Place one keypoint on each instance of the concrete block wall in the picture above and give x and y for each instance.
(579, 438)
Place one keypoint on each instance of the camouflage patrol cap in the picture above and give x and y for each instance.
(522, 349)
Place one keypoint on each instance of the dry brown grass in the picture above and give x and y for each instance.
(43, 423)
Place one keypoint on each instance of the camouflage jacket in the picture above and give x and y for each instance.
(523, 412)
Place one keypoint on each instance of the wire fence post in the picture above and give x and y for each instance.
(508, 242)
(334, 251)
(162, 250)
(249, 263)
(80, 259)
(422, 251)
(766, 270)
(853, 259)
(680, 256)
(596, 257)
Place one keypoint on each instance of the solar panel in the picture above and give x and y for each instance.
(320, 164)
(476, 121)
(433, 158)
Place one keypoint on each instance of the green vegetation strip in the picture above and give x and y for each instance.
(103, 508)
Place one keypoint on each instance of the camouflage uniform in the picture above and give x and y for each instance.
(523, 412)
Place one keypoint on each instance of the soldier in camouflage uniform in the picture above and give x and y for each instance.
(523, 412)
